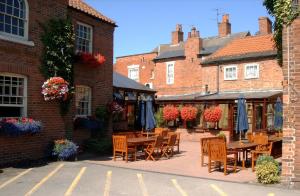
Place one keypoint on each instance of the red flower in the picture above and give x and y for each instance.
(92, 60)
(170, 112)
(213, 114)
(188, 113)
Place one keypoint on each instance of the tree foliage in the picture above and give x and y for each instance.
(284, 14)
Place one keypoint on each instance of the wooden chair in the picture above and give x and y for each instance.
(153, 148)
(250, 137)
(263, 148)
(121, 147)
(168, 148)
(158, 130)
(164, 133)
(177, 141)
(204, 148)
(217, 152)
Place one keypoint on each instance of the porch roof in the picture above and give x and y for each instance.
(235, 95)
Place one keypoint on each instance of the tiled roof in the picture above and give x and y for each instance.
(84, 7)
(210, 45)
(251, 46)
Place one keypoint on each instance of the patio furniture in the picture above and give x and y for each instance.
(218, 152)
(243, 147)
(164, 133)
(204, 148)
(168, 148)
(177, 141)
(121, 147)
(153, 148)
(263, 148)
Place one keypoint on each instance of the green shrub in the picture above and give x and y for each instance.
(159, 118)
(267, 170)
(221, 134)
(99, 146)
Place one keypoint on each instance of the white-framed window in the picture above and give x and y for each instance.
(251, 71)
(170, 72)
(84, 38)
(152, 74)
(13, 95)
(134, 72)
(230, 72)
(83, 100)
(150, 85)
(14, 18)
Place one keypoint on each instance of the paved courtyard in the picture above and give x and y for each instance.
(82, 178)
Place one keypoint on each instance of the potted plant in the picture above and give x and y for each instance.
(213, 115)
(188, 113)
(267, 170)
(170, 113)
(64, 150)
(19, 126)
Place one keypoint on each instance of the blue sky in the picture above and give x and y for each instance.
(144, 24)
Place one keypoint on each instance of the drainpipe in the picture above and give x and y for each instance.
(218, 79)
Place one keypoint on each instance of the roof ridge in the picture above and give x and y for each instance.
(86, 8)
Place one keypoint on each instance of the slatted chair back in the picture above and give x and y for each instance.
(250, 137)
(217, 149)
(172, 139)
(158, 142)
(120, 143)
(204, 144)
(158, 130)
(164, 133)
(262, 142)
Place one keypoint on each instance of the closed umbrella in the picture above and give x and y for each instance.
(242, 119)
(150, 120)
(278, 119)
(142, 114)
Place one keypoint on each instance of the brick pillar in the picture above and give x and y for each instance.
(291, 100)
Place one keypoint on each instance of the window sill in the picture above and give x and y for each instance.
(16, 40)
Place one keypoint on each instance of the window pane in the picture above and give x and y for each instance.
(9, 2)
(9, 10)
(10, 112)
(2, 7)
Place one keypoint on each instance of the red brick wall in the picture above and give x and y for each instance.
(25, 60)
(268, 71)
(187, 77)
(145, 61)
(291, 127)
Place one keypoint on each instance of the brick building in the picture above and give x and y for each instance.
(214, 70)
(291, 139)
(20, 78)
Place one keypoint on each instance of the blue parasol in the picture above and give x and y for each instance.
(278, 119)
(150, 120)
(242, 118)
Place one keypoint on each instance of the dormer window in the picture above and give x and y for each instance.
(13, 18)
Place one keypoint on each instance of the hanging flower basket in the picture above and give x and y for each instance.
(213, 114)
(64, 149)
(170, 113)
(91, 60)
(19, 126)
(115, 107)
(55, 88)
(188, 113)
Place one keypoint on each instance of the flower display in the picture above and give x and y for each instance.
(92, 60)
(19, 126)
(213, 114)
(55, 88)
(188, 113)
(170, 112)
(64, 149)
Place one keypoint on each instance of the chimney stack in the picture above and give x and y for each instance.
(224, 26)
(265, 25)
(177, 36)
(193, 44)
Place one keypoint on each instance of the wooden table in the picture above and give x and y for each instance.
(140, 140)
(242, 146)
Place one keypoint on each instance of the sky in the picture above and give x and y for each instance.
(144, 24)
